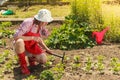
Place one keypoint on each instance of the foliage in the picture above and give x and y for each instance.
(6, 24)
(6, 32)
(31, 77)
(46, 75)
(88, 65)
(78, 27)
(3, 43)
(75, 66)
(115, 65)
(48, 64)
(71, 35)
(114, 33)
(9, 66)
(76, 58)
(89, 11)
(99, 64)
(58, 71)
(4, 55)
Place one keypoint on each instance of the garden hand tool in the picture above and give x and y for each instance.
(60, 56)
(99, 35)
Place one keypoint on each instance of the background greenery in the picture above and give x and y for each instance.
(90, 15)
(86, 16)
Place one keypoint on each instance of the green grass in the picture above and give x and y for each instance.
(57, 11)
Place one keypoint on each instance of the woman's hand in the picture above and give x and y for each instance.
(37, 39)
(49, 51)
(42, 44)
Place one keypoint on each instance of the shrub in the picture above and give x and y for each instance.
(71, 35)
(114, 33)
(76, 32)
(88, 11)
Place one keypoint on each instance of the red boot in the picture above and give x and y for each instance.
(31, 61)
(23, 64)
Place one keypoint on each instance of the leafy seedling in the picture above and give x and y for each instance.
(115, 65)
(88, 65)
(59, 70)
(48, 64)
(99, 64)
(75, 66)
(76, 58)
(31, 77)
(46, 75)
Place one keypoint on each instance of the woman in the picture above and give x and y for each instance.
(28, 40)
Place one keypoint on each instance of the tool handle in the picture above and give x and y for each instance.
(54, 54)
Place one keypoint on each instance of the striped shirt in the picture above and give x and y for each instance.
(28, 25)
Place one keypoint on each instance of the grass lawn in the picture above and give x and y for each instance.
(57, 11)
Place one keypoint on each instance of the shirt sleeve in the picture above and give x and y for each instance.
(24, 27)
(44, 32)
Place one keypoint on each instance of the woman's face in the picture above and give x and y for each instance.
(43, 23)
(39, 23)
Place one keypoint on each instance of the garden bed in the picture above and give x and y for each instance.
(71, 72)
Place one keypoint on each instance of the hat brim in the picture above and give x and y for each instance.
(49, 19)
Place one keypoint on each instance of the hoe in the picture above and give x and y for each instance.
(60, 56)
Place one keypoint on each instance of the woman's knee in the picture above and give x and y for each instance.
(43, 61)
(19, 42)
(19, 46)
(42, 58)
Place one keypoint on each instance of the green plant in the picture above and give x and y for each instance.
(75, 66)
(6, 24)
(9, 66)
(51, 58)
(46, 75)
(88, 65)
(76, 32)
(76, 58)
(31, 77)
(71, 36)
(2, 59)
(115, 65)
(1, 73)
(15, 59)
(99, 64)
(48, 64)
(66, 59)
(4, 55)
(7, 33)
(3, 43)
(58, 70)
(88, 11)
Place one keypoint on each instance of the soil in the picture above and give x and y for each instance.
(109, 50)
